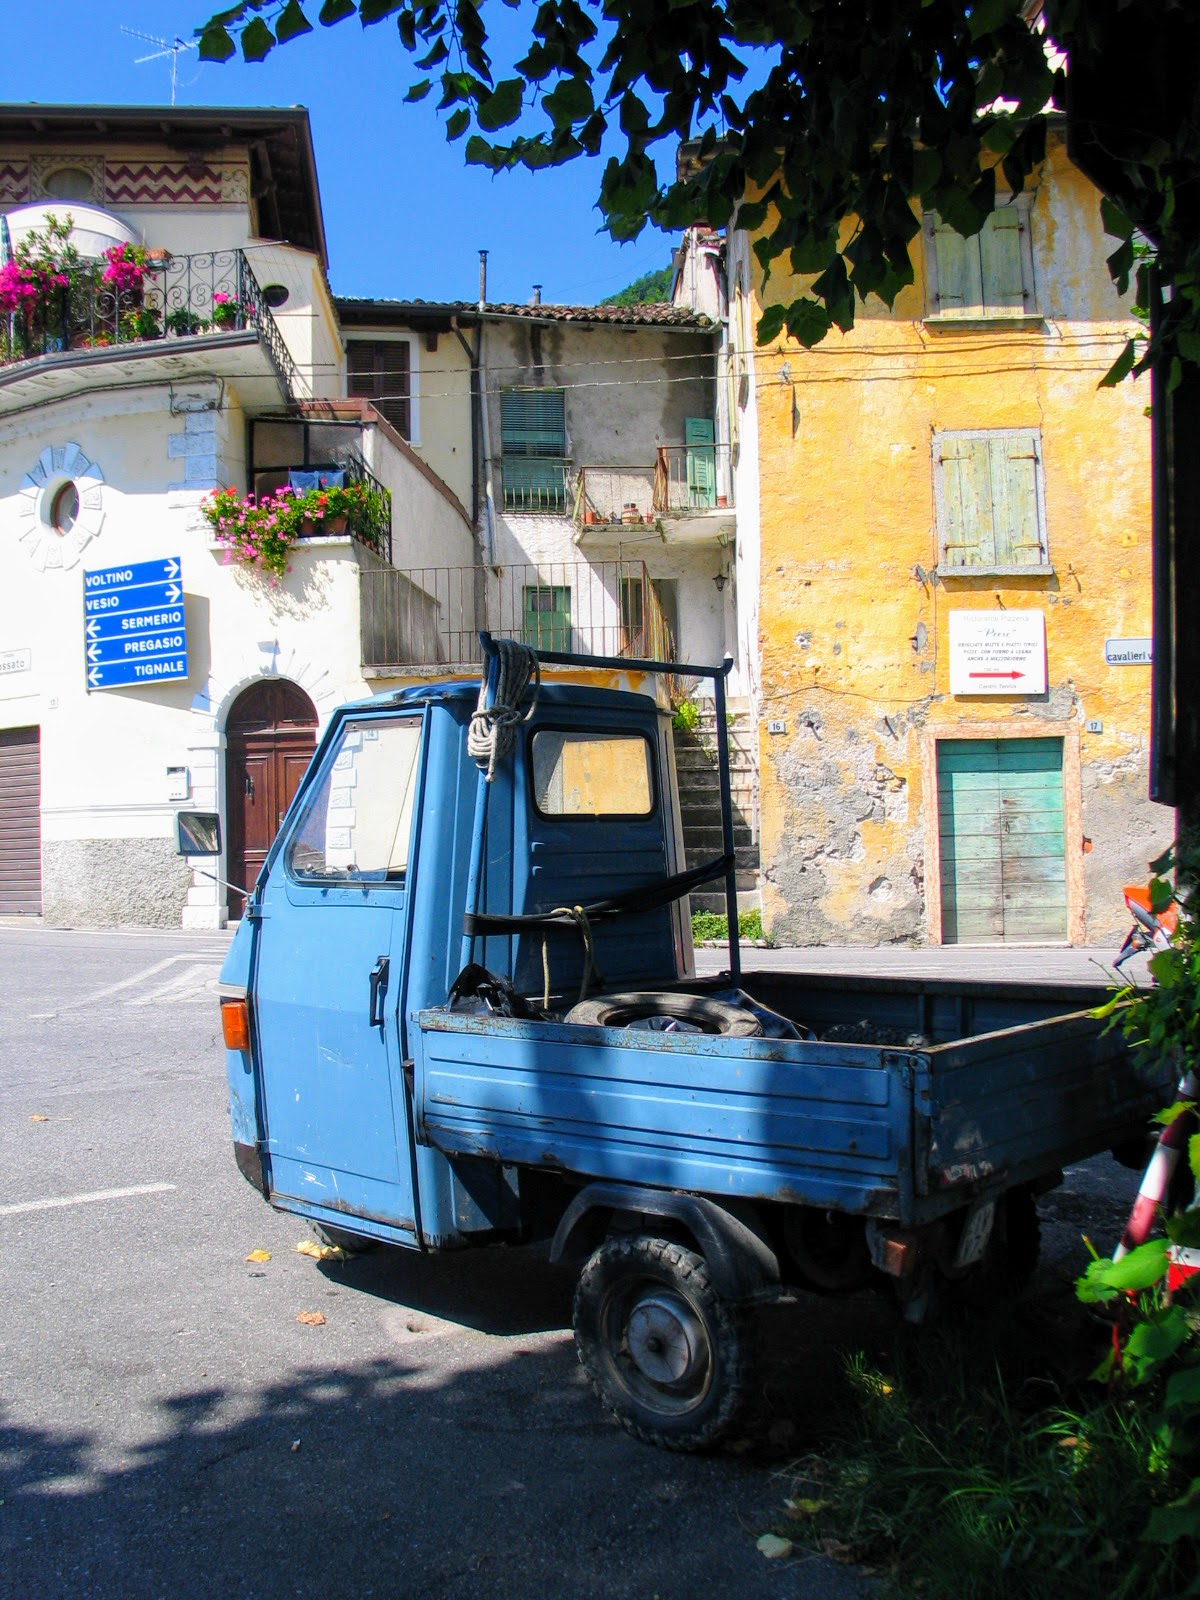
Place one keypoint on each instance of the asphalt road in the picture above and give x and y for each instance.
(168, 1427)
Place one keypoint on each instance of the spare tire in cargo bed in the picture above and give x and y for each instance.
(696, 1011)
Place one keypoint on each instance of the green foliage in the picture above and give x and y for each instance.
(686, 717)
(262, 531)
(958, 1476)
(712, 926)
(652, 288)
(827, 112)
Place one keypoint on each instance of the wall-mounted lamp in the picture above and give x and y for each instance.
(719, 580)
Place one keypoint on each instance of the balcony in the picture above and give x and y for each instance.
(686, 496)
(314, 453)
(427, 621)
(180, 308)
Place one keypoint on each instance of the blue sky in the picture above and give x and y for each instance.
(405, 216)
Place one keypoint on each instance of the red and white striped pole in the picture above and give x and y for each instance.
(1171, 1146)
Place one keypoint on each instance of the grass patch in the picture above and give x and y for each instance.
(712, 925)
(961, 1473)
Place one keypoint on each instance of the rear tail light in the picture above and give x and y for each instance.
(235, 1024)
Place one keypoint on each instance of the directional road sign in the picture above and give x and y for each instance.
(135, 628)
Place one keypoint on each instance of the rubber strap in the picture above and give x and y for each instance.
(643, 899)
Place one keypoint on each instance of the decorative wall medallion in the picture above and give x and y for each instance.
(83, 169)
(60, 506)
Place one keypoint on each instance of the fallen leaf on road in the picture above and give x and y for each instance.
(311, 1319)
(320, 1252)
(773, 1547)
(837, 1551)
(37, 1117)
(259, 1255)
(295, 1445)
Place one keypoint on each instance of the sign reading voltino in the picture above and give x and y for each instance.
(134, 625)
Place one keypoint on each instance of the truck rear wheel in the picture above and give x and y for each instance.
(665, 1353)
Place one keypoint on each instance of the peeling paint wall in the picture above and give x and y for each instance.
(854, 617)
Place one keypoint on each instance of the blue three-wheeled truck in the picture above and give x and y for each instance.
(461, 1008)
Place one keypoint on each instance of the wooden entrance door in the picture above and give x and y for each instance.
(271, 732)
(1003, 855)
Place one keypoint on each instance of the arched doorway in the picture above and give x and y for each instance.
(271, 734)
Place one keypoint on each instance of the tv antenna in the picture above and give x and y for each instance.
(166, 47)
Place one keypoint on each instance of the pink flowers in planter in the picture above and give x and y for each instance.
(23, 285)
(125, 266)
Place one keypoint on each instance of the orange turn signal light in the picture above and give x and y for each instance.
(235, 1024)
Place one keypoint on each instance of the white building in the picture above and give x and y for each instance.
(115, 424)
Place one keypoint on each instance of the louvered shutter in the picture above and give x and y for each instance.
(380, 371)
(959, 283)
(1000, 258)
(533, 443)
(701, 462)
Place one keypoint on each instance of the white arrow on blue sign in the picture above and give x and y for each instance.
(135, 627)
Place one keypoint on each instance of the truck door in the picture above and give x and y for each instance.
(328, 981)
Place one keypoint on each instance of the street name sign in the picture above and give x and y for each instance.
(1128, 652)
(134, 624)
(997, 652)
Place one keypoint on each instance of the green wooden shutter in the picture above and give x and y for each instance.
(989, 500)
(959, 281)
(533, 444)
(967, 535)
(547, 617)
(1000, 260)
(1002, 842)
(701, 462)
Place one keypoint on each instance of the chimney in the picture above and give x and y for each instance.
(483, 255)
(537, 295)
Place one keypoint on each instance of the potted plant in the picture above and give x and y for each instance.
(259, 531)
(141, 323)
(227, 310)
(182, 321)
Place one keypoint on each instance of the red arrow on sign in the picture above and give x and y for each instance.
(1013, 674)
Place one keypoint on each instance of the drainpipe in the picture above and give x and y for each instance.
(489, 499)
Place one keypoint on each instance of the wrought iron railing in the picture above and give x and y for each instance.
(431, 616)
(684, 480)
(373, 523)
(536, 483)
(176, 297)
(369, 520)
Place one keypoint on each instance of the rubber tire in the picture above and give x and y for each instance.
(1011, 1257)
(610, 1285)
(710, 1016)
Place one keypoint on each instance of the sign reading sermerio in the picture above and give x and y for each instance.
(997, 652)
(134, 625)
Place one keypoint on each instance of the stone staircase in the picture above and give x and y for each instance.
(700, 802)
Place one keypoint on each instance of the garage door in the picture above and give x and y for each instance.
(1000, 829)
(20, 822)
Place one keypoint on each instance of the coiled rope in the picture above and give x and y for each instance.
(492, 734)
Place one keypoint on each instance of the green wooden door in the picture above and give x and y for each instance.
(547, 622)
(1000, 828)
(701, 463)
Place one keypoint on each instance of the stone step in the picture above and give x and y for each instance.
(745, 856)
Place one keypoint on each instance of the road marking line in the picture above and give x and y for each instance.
(125, 983)
(85, 1199)
(181, 987)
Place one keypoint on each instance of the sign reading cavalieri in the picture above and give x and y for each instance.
(997, 652)
(134, 624)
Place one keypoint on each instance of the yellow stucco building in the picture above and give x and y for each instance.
(949, 593)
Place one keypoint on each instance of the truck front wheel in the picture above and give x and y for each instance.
(665, 1353)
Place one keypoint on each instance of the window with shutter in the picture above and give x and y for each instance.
(533, 447)
(990, 497)
(984, 278)
(380, 370)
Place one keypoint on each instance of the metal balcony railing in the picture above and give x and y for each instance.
(684, 480)
(431, 617)
(177, 297)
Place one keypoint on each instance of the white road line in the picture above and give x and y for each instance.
(85, 1199)
(182, 987)
(125, 983)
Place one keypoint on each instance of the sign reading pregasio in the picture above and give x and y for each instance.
(134, 624)
(997, 652)
(1128, 652)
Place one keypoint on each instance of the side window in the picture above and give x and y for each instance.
(592, 774)
(986, 277)
(546, 622)
(990, 499)
(380, 370)
(356, 825)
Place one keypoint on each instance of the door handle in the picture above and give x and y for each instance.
(379, 983)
